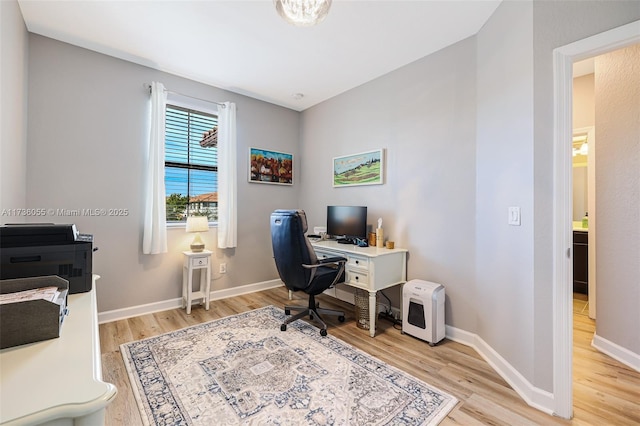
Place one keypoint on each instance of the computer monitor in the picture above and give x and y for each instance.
(347, 222)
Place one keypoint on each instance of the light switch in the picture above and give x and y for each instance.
(514, 216)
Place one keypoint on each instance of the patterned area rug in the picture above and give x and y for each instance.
(242, 370)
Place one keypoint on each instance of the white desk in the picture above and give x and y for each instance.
(368, 268)
(58, 381)
(192, 261)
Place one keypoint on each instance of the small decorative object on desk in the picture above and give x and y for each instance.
(390, 244)
(379, 235)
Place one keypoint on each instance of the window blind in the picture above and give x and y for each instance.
(191, 170)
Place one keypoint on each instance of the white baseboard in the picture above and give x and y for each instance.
(617, 352)
(535, 397)
(245, 289)
(165, 305)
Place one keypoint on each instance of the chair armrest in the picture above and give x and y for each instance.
(336, 261)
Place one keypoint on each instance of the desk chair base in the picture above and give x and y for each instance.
(314, 311)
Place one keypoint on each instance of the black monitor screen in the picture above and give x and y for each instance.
(347, 221)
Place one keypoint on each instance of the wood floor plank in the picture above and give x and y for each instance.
(124, 409)
(111, 335)
(605, 391)
(459, 418)
(489, 412)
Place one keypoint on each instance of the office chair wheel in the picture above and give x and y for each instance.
(341, 318)
(323, 332)
(287, 312)
(283, 327)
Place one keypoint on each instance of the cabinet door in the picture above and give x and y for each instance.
(580, 262)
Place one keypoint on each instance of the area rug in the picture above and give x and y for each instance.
(242, 370)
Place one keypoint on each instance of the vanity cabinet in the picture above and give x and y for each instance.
(580, 262)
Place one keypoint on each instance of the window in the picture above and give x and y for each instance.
(191, 164)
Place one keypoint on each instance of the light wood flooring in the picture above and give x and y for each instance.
(605, 391)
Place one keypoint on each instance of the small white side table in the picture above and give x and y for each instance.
(193, 261)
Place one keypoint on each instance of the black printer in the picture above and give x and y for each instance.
(33, 250)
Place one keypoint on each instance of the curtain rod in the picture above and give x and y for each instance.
(148, 86)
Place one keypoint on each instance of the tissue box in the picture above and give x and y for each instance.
(26, 321)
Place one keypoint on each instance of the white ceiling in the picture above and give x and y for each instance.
(245, 47)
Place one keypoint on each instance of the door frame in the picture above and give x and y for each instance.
(563, 59)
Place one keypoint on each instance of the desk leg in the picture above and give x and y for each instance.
(184, 287)
(202, 289)
(372, 313)
(189, 290)
(207, 288)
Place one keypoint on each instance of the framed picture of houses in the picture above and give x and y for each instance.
(366, 168)
(266, 166)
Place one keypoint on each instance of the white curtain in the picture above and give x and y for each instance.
(155, 216)
(227, 176)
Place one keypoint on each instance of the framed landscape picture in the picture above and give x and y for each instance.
(267, 166)
(366, 168)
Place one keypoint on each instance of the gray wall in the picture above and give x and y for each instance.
(424, 116)
(14, 47)
(617, 83)
(87, 135)
(504, 178)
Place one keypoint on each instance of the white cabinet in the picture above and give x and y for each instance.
(194, 261)
(367, 268)
(58, 381)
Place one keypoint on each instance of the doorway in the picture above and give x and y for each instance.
(583, 149)
(563, 59)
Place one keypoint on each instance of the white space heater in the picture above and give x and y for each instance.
(423, 310)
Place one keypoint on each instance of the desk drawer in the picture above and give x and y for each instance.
(325, 254)
(360, 262)
(199, 262)
(360, 277)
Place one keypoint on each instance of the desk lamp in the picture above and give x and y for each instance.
(197, 224)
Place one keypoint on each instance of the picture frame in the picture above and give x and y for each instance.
(268, 166)
(365, 168)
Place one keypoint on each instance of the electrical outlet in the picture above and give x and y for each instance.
(223, 268)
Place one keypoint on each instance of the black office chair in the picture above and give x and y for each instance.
(300, 269)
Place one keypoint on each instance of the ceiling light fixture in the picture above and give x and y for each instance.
(303, 13)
